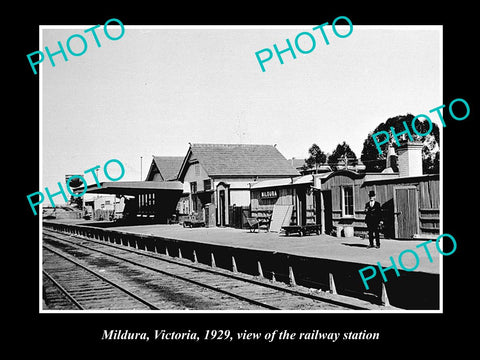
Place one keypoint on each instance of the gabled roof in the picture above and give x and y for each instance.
(239, 160)
(167, 166)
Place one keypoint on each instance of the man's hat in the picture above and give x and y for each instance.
(371, 193)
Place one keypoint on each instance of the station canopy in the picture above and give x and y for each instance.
(299, 180)
(133, 187)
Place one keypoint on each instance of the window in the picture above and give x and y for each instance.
(207, 184)
(195, 206)
(193, 187)
(347, 201)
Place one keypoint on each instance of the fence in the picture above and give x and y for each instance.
(238, 216)
(101, 215)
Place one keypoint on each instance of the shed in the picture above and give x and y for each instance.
(297, 191)
(155, 200)
(410, 205)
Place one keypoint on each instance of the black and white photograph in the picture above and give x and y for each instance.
(237, 188)
(292, 182)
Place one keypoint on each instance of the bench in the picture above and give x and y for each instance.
(302, 229)
(194, 221)
(255, 223)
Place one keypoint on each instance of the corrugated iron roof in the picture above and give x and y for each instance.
(305, 179)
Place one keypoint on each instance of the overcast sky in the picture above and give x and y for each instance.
(155, 90)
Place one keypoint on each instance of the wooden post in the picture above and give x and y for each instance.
(195, 260)
(234, 265)
(291, 276)
(259, 267)
(213, 260)
(166, 250)
(322, 213)
(385, 301)
(331, 283)
(180, 253)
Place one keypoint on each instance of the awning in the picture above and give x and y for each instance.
(299, 180)
(133, 187)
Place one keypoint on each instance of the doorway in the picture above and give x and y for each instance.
(327, 205)
(301, 207)
(221, 207)
(405, 212)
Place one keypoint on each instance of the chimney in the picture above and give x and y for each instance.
(410, 159)
(392, 159)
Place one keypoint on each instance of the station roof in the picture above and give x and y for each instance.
(132, 187)
(238, 160)
(166, 166)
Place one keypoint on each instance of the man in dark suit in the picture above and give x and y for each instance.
(373, 217)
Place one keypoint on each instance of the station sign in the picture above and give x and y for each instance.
(270, 194)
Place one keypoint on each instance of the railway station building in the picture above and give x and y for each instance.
(223, 184)
(216, 178)
(208, 183)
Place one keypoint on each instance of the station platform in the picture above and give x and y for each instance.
(315, 258)
(353, 249)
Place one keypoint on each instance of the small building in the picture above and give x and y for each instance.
(297, 192)
(104, 207)
(217, 177)
(103, 202)
(336, 200)
(152, 200)
(410, 200)
(164, 168)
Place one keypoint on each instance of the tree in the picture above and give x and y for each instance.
(75, 183)
(77, 201)
(316, 158)
(338, 155)
(375, 162)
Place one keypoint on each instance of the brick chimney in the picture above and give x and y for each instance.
(410, 159)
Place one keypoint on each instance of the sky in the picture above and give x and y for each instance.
(157, 89)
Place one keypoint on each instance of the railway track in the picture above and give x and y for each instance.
(209, 288)
(84, 288)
